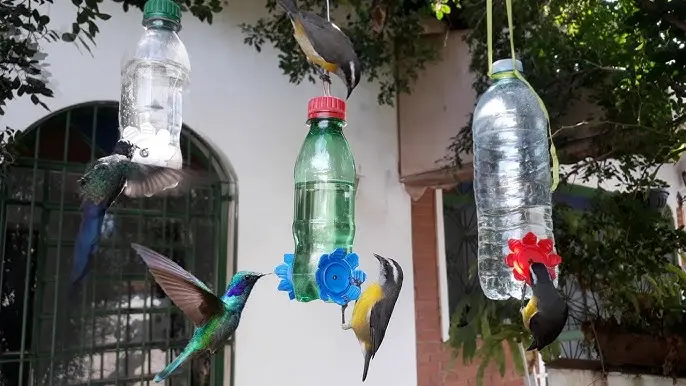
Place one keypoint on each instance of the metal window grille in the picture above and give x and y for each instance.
(120, 328)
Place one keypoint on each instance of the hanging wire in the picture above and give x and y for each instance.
(326, 78)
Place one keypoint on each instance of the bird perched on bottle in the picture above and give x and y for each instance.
(373, 310)
(545, 315)
(324, 44)
(101, 184)
(215, 318)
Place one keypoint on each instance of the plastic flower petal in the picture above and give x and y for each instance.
(285, 273)
(337, 277)
(530, 250)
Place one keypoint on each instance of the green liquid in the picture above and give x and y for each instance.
(324, 220)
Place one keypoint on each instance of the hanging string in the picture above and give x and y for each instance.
(510, 27)
(326, 78)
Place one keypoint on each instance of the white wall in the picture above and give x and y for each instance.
(242, 104)
(564, 377)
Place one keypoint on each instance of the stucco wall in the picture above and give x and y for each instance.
(564, 377)
(241, 104)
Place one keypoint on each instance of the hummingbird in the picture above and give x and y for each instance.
(215, 318)
(100, 186)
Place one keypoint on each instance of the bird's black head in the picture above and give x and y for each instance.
(390, 271)
(124, 148)
(539, 274)
(351, 74)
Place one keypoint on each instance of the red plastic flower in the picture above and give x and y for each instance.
(531, 250)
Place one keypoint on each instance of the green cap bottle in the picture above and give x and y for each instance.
(162, 9)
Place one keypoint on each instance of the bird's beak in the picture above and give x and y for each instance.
(381, 259)
(266, 274)
(350, 91)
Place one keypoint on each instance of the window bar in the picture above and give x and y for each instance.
(168, 350)
(147, 296)
(188, 252)
(41, 271)
(91, 349)
(55, 299)
(29, 250)
(120, 305)
(3, 235)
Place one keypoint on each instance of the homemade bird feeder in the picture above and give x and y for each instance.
(323, 265)
(512, 178)
(153, 80)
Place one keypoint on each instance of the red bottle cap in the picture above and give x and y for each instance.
(326, 107)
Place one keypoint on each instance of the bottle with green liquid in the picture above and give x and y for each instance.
(323, 265)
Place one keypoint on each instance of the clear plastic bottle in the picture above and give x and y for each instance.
(153, 80)
(324, 207)
(512, 176)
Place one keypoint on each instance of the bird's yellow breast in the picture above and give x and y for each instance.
(529, 311)
(363, 310)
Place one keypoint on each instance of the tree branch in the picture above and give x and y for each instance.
(650, 5)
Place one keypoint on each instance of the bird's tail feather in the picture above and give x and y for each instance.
(367, 359)
(185, 355)
(87, 239)
(288, 5)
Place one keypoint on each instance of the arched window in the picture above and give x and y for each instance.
(120, 328)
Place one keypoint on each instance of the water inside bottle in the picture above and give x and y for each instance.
(152, 92)
(323, 221)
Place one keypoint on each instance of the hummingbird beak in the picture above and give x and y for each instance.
(266, 274)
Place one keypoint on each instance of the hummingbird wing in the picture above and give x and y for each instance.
(190, 294)
(148, 180)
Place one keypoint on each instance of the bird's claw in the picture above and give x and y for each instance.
(343, 307)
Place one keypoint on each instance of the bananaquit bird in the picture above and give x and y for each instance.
(546, 312)
(373, 309)
(324, 44)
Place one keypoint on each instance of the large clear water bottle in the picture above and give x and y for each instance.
(512, 176)
(153, 80)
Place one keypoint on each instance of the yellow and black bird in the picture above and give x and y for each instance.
(324, 44)
(374, 308)
(545, 315)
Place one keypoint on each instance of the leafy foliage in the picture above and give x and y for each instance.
(627, 57)
(487, 329)
(621, 256)
(386, 35)
(25, 26)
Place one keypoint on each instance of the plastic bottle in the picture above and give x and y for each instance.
(324, 209)
(512, 177)
(153, 80)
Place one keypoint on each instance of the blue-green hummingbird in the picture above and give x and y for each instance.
(104, 181)
(215, 318)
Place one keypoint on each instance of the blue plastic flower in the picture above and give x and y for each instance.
(285, 273)
(337, 277)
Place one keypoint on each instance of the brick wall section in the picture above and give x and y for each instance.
(433, 358)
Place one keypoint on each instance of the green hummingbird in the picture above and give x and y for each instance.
(215, 318)
(104, 181)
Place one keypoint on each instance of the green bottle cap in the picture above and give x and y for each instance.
(162, 9)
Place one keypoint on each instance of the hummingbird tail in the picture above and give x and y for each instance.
(87, 240)
(185, 355)
(367, 359)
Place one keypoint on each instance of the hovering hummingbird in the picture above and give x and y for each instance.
(215, 318)
(101, 184)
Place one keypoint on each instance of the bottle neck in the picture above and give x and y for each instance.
(161, 24)
(326, 124)
(504, 75)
